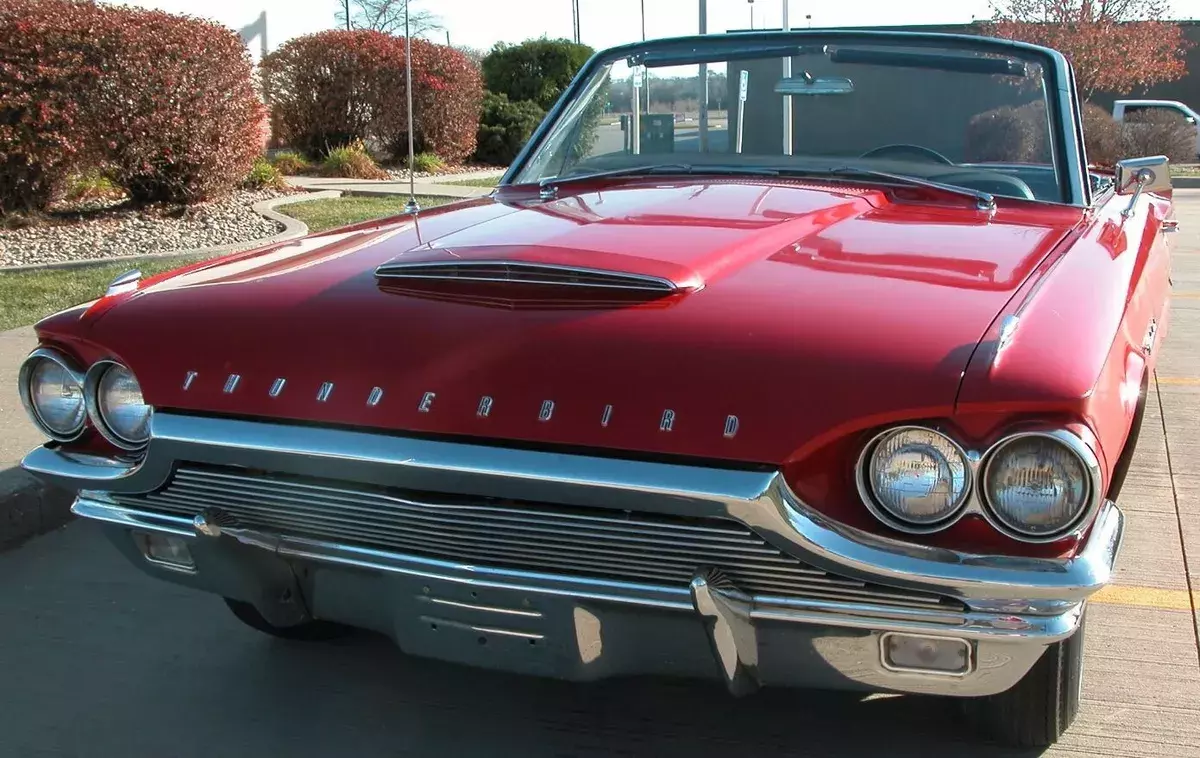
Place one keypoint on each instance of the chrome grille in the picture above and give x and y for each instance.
(522, 273)
(639, 547)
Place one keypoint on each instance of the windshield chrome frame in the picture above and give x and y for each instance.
(1070, 163)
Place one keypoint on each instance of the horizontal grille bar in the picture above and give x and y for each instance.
(594, 542)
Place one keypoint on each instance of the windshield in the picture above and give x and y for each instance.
(954, 115)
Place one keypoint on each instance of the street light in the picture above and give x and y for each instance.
(751, 14)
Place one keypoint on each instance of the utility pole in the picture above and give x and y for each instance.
(751, 14)
(575, 20)
(787, 99)
(647, 72)
(346, 8)
(703, 82)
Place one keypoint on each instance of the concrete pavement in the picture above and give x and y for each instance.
(17, 435)
(422, 186)
(98, 660)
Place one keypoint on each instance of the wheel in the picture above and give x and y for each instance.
(311, 631)
(1040, 707)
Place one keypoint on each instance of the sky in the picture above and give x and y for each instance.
(604, 23)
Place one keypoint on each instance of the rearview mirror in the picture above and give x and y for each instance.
(1138, 175)
(810, 85)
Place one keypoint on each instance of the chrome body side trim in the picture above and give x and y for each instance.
(759, 499)
(1008, 332)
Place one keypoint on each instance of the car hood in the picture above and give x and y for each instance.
(797, 312)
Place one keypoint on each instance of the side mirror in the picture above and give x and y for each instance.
(1138, 175)
(1143, 175)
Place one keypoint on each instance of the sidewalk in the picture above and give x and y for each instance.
(27, 507)
(391, 187)
(18, 435)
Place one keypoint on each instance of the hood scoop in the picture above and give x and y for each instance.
(515, 285)
(529, 274)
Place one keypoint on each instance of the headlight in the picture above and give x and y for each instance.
(1039, 485)
(53, 394)
(118, 409)
(916, 479)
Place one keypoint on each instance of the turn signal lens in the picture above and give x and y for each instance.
(917, 477)
(1037, 485)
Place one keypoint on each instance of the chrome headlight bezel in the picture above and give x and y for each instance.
(976, 500)
(91, 389)
(867, 492)
(1082, 453)
(25, 389)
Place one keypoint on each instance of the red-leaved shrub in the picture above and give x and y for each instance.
(177, 114)
(1160, 132)
(1102, 136)
(44, 65)
(164, 104)
(335, 87)
(1000, 135)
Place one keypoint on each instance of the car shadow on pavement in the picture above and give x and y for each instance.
(384, 697)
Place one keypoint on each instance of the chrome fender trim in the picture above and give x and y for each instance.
(759, 499)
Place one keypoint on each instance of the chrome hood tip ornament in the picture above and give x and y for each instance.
(126, 282)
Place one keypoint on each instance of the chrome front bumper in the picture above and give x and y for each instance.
(575, 627)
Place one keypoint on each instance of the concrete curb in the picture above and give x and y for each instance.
(292, 229)
(29, 507)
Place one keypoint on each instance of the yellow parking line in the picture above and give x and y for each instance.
(1177, 379)
(1147, 597)
(1187, 295)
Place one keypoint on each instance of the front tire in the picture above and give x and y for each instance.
(1040, 707)
(310, 631)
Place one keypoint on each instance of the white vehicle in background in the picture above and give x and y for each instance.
(1123, 109)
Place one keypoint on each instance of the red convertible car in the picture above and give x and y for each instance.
(838, 391)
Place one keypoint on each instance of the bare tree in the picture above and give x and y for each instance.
(385, 16)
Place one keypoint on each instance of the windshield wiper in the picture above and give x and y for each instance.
(663, 168)
(984, 200)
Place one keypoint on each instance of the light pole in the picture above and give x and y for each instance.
(751, 14)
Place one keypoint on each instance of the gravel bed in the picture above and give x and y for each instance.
(103, 230)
